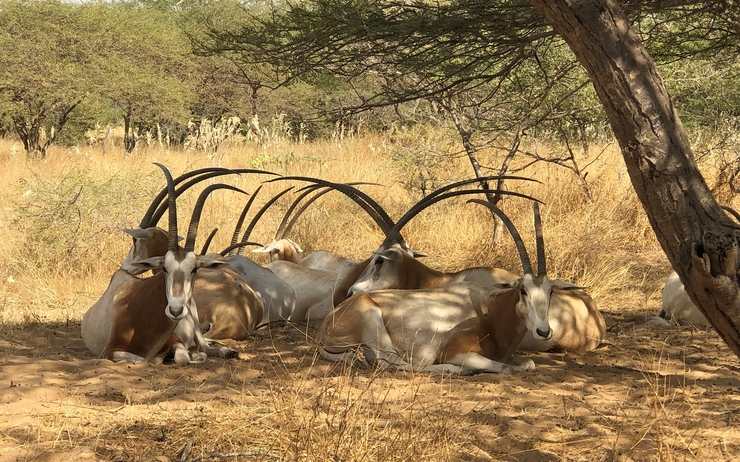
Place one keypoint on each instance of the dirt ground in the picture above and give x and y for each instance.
(651, 393)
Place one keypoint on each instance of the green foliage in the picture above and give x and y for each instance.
(43, 67)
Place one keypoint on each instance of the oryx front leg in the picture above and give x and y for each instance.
(472, 362)
(126, 357)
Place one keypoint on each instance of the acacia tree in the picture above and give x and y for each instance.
(482, 42)
(145, 62)
(700, 242)
(42, 69)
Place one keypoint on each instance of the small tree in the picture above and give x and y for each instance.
(146, 65)
(42, 69)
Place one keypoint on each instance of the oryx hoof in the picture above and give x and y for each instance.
(527, 365)
(198, 357)
(228, 353)
(182, 358)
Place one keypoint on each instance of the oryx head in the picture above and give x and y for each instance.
(152, 241)
(282, 249)
(394, 264)
(179, 265)
(534, 290)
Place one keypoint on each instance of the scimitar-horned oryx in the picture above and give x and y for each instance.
(147, 317)
(460, 328)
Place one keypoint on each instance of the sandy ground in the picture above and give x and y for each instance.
(651, 393)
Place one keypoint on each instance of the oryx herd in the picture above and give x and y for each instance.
(390, 310)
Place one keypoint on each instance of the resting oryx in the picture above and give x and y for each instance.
(282, 248)
(139, 319)
(677, 306)
(319, 289)
(580, 326)
(278, 297)
(461, 328)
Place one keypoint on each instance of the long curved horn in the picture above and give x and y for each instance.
(423, 204)
(195, 217)
(208, 241)
(259, 214)
(243, 215)
(731, 211)
(285, 228)
(238, 245)
(172, 232)
(539, 241)
(146, 220)
(518, 242)
(281, 232)
(163, 207)
(368, 204)
(481, 179)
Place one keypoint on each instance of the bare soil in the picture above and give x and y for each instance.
(651, 393)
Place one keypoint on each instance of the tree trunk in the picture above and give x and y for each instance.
(699, 240)
(129, 139)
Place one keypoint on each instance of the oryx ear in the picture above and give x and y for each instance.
(138, 233)
(565, 285)
(144, 233)
(418, 254)
(137, 267)
(269, 248)
(295, 244)
(208, 261)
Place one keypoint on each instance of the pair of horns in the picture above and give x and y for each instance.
(238, 246)
(368, 204)
(159, 205)
(519, 242)
(197, 211)
(292, 215)
(391, 229)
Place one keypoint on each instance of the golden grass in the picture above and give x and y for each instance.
(650, 394)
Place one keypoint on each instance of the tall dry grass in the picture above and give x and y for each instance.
(648, 395)
(63, 216)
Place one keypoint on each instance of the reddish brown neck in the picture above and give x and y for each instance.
(502, 326)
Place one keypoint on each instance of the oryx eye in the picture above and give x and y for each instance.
(522, 292)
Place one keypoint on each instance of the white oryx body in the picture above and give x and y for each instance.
(288, 250)
(278, 297)
(313, 289)
(677, 306)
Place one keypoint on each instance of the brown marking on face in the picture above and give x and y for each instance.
(178, 283)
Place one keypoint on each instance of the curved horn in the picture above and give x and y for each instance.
(146, 220)
(424, 203)
(195, 217)
(368, 204)
(259, 214)
(172, 200)
(481, 179)
(163, 207)
(208, 241)
(238, 245)
(731, 211)
(518, 242)
(243, 215)
(539, 241)
(286, 227)
(281, 231)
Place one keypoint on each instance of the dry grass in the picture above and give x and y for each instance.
(650, 394)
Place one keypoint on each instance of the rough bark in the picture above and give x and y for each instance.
(699, 240)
